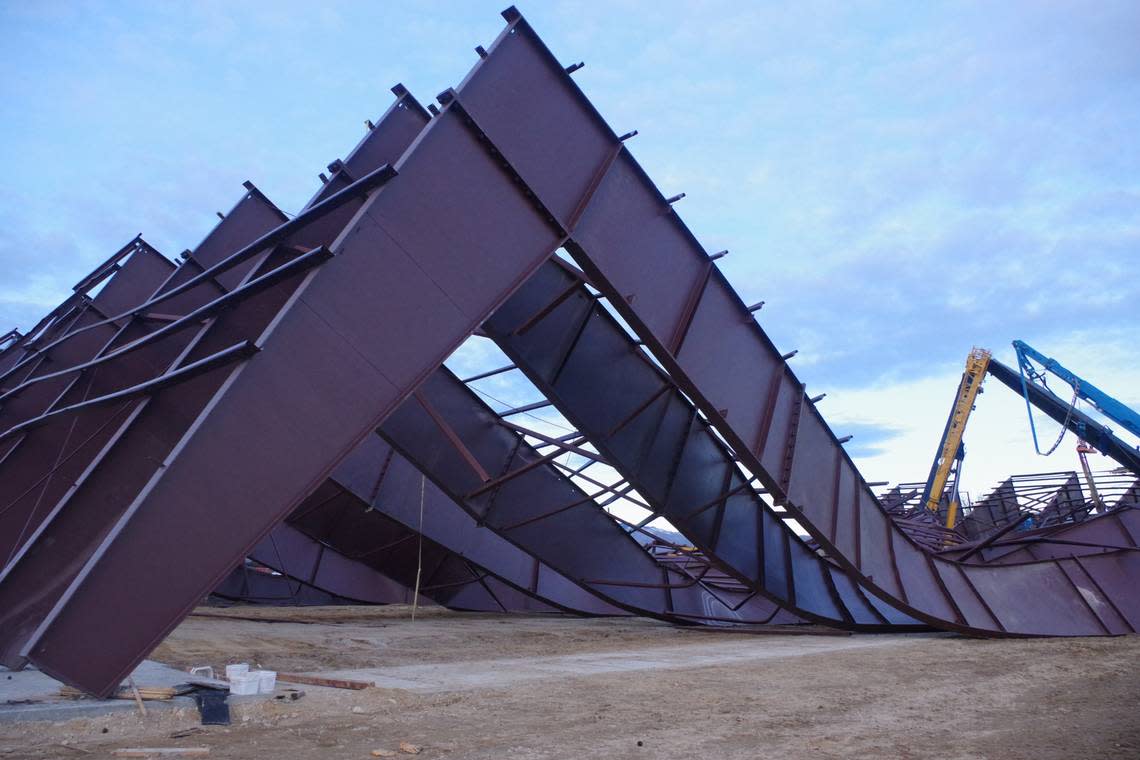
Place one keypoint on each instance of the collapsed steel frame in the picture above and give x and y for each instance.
(284, 383)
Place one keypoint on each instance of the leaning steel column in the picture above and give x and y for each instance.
(458, 441)
(636, 250)
(131, 452)
(415, 272)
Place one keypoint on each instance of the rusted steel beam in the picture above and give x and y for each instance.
(649, 264)
(36, 466)
(155, 420)
(544, 513)
(73, 443)
(256, 584)
(380, 498)
(308, 562)
(124, 455)
(502, 593)
(201, 470)
(368, 538)
(668, 452)
(396, 268)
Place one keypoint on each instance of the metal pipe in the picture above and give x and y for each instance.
(297, 265)
(526, 408)
(279, 234)
(489, 373)
(238, 351)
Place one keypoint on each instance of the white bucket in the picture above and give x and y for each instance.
(267, 680)
(236, 669)
(245, 683)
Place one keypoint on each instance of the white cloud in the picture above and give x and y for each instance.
(897, 183)
(997, 437)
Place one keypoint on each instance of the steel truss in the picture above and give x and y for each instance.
(368, 150)
(186, 422)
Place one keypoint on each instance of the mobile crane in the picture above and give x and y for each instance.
(1082, 389)
(951, 452)
(1031, 384)
(1068, 416)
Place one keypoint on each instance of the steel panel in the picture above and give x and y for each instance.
(606, 257)
(515, 64)
(614, 568)
(674, 460)
(252, 217)
(285, 417)
(39, 574)
(396, 496)
(287, 550)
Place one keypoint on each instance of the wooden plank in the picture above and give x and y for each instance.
(125, 692)
(152, 751)
(333, 683)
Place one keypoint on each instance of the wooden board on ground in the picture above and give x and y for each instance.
(125, 692)
(161, 752)
(332, 683)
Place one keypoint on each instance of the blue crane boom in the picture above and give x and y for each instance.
(1074, 420)
(1108, 406)
(951, 451)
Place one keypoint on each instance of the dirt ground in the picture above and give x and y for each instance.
(629, 688)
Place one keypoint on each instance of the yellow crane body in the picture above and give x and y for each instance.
(976, 364)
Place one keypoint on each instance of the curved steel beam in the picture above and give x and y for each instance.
(446, 427)
(630, 242)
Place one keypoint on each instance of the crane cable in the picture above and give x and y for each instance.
(419, 550)
(1029, 408)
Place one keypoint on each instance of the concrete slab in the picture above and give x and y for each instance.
(497, 673)
(31, 695)
(30, 683)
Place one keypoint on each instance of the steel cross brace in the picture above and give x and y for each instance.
(634, 248)
(520, 509)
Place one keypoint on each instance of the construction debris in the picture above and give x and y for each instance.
(332, 683)
(129, 692)
(162, 752)
(299, 357)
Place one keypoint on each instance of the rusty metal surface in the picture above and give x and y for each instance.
(334, 360)
(655, 438)
(394, 130)
(657, 276)
(257, 584)
(370, 539)
(1021, 505)
(310, 563)
(29, 487)
(144, 430)
(542, 511)
(266, 359)
(381, 495)
(1116, 530)
(132, 438)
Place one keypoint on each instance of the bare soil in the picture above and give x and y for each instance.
(773, 696)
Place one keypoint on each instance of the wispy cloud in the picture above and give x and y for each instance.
(898, 182)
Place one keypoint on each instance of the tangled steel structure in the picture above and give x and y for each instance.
(286, 378)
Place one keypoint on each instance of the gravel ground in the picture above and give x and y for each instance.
(555, 687)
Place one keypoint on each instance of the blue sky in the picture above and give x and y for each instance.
(899, 181)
